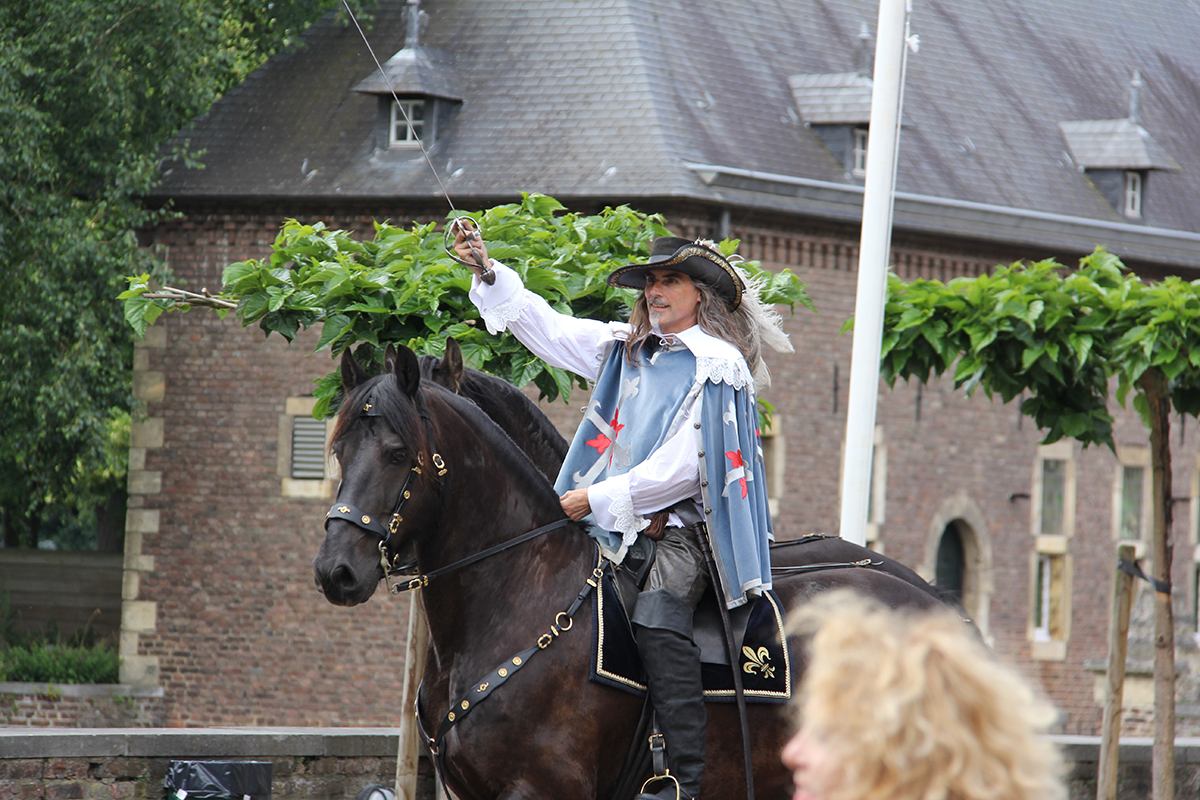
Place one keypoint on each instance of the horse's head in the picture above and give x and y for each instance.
(389, 486)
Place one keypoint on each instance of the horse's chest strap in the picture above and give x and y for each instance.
(482, 689)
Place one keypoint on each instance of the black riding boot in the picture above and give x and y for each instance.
(663, 631)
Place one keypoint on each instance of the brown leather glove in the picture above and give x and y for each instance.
(658, 524)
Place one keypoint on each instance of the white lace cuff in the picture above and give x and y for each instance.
(498, 317)
(723, 370)
(624, 519)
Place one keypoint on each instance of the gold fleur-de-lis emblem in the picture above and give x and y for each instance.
(344, 509)
(758, 661)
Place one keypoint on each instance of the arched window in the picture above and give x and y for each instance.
(950, 569)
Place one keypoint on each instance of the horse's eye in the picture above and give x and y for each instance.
(399, 455)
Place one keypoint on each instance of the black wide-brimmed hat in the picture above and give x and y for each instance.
(700, 261)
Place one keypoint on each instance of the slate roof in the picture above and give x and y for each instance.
(629, 99)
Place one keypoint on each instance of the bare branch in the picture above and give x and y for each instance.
(184, 297)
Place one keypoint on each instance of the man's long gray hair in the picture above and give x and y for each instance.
(747, 328)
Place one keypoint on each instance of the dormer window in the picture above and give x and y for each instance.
(1133, 194)
(837, 108)
(407, 124)
(1118, 155)
(860, 153)
(418, 93)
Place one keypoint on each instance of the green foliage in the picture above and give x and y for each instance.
(1055, 335)
(402, 288)
(47, 663)
(89, 91)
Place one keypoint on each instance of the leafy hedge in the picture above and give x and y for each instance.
(51, 663)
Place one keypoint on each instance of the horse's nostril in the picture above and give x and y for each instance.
(342, 577)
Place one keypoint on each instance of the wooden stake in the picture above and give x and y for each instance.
(410, 747)
(1118, 640)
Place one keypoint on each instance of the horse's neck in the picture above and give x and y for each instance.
(491, 500)
(525, 423)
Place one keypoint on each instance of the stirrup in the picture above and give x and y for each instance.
(658, 752)
(667, 776)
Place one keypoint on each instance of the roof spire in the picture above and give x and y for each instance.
(1135, 86)
(864, 51)
(413, 29)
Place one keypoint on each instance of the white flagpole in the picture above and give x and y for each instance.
(874, 247)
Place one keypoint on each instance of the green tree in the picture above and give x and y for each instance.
(1059, 337)
(401, 287)
(89, 91)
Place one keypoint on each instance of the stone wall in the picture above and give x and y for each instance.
(119, 764)
(39, 705)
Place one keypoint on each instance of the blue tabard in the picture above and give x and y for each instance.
(635, 408)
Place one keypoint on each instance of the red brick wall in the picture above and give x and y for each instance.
(244, 638)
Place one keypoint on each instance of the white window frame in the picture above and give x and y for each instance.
(1132, 456)
(303, 488)
(859, 161)
(413, 130)
(1050, 564)
(1050, 608)
(1059, 451)
(1042, 572)
(1133, 194)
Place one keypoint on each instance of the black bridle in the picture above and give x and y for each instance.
(356, 516)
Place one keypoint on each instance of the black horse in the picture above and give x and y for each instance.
(547, 732)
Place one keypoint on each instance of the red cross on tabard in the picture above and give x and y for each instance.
(736, 462)
(602, 442)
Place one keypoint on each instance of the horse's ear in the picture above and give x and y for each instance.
(452, 364)
(407, 370)
(389, 358)
(352, 373)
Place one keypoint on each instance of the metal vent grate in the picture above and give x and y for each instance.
(308, 448)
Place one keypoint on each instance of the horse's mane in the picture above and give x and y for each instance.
(502, 401)
(400, 414)
(513, 458)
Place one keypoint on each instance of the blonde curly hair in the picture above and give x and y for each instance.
(915, 707)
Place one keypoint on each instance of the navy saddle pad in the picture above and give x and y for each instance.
(763, 656)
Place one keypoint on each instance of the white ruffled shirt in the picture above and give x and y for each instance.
(672, 472)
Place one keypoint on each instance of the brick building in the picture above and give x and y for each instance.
(1020, 140)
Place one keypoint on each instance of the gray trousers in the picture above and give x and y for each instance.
(679, 568)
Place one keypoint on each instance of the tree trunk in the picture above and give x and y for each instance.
(110, 522)
(1154, 383)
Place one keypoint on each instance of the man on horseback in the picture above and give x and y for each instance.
(672, 411)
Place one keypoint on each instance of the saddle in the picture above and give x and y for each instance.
(765, 659)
